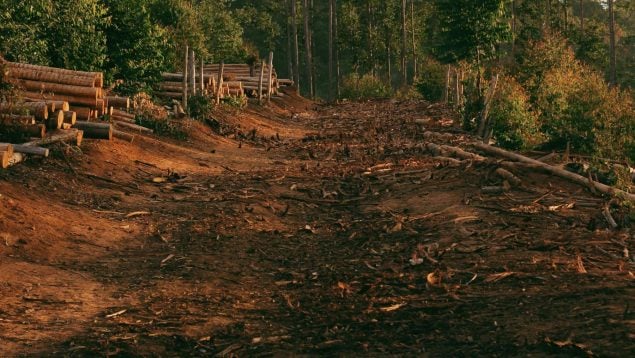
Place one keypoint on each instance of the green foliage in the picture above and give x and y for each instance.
(164, 127)
(431, 84)
(199, 107)
(235, 102)
(76, 38)
(469, 29)
(19, 39)
(515, 125)
(136, 45)
(355, 87)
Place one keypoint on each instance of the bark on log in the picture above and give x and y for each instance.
(72, 100)
(119, 113)
(578, 179)
(56, 88)
(119, 102)
(37, 109)
(133, 127)
(74, 135)
(95, 130)
(25, 149)
(97, 76)
(59, 105)
(82, 113)
(512, 179)
(53, 77)
(17, 119)
(115, 117)
(123, 135)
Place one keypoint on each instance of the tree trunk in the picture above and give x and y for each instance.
(404, 40)
(296, 48)
(185, 75)
(446, 93)
(582, 16)
(289, 51)
(414, 42)
(270, 77)
(331, 6)
(612, 59)
(261, 81)
(307, 47)
(219, 90)
(192, 72)
(337, 50)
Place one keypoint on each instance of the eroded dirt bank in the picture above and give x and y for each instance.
(323, 232)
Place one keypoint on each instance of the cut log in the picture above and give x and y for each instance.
(59, 105)
(115, 117)
(56, 88)
(5, 157)
(55, 121)
(509, 176)
(72, 135)
(457, 152)
(11, 119)
(82, 113)
(135, 127)
(37, 109)
(70, 117)
(7, 147)
(101, 106)
(576, 178)
(123, 135)
(119, 102)
(175, 95)
(119, 113)
(81, 101)
(97, 76)
(53, 77)
(95, 130)
(25, 149)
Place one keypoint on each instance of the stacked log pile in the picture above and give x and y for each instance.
(237, 80)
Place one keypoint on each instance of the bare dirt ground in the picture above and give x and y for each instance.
(326, 231)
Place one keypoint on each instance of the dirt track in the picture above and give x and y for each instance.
(290, 244)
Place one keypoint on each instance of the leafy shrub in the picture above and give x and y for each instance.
(164, 127)
(515, 125)
(355, 87)
(432, 79)
(199, 106)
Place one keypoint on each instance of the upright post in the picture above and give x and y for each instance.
(220, 82)
(185, 75)
(202, 77)
(192, 72)
(270, 83)
(262, 76)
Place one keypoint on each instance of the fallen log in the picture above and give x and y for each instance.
(45, 76)
(135, 127)
(123, 135)
(123, 114)
(75, 135)
(457, 152)
(95, 130)
(56, 88)
(576, 178)
(512, 179)
(25, 149)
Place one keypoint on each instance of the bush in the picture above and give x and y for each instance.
(515, 125)
(199, 106)
(365, 87)
(431, 84)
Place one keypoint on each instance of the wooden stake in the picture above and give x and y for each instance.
(184, 79)
(270, 83)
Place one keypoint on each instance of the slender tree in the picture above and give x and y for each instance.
(331, 35)
(404, 41)
(307, 47)
(296, 47)
(414, 40)
(612, 56)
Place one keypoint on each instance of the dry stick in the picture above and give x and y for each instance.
(578, 179)
(262, 75)
(270, 83)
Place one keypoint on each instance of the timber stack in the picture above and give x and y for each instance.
(237, 80)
